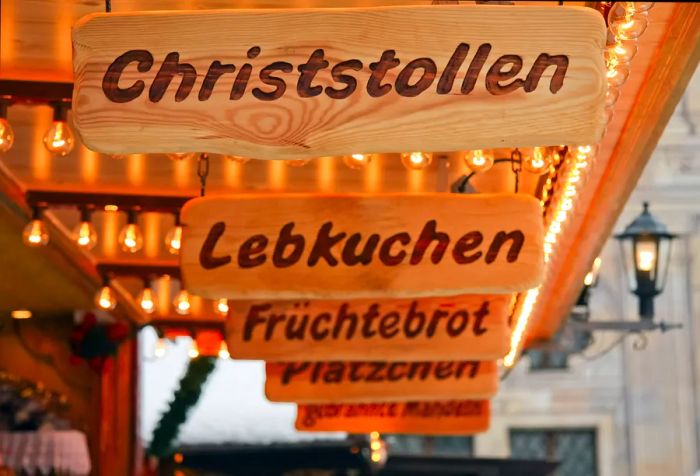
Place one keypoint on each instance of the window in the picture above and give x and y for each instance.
(461, 446)
(574, 449)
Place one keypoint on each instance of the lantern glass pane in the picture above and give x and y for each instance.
(664, 261)
(645, 255)
(628, 263)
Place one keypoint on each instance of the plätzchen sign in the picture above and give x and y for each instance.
(303, 83)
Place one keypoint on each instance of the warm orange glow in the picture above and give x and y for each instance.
(108, 237)
(182, 303)
(131, 238)
(193, 353)
(325, 174)
(183, 171)
(89, 165)
(85, 235)
(374, 175)
(233, 173)
(151, 234)
(40, 157)
(135, 168)
(58, 138)
(7, 135)
(105, 299)
(223, 351)
(416, 180)
(173, 240)
(276, 174)
(479, 160)
(416, 160)
(221, 307)
(21, 314)
(35, 233)
(146, 300)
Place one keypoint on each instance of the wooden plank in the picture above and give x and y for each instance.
(449, 417)
(457, 328)
(669, 72)
(327, 82)
(350, 382)
(291, 246)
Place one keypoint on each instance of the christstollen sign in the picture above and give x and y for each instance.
(452, 328)
(315, 246)
(302, 83)
(447, 417)
(374, 382)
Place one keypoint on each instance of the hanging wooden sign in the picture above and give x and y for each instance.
(456, 328)
(290, 246)
(449, 417)
(303, 83)
(346, 382)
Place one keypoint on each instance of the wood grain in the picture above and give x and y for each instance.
(448, 417)
(325, 82)
(456, 328)
(352, 382)
(316, 246)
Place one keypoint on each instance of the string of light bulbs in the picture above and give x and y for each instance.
(626, 21)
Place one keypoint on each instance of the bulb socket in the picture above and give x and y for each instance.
(60, 111)
(85, 214)
(4, 106)
(177, 219)
(132, 216)
(37, 212)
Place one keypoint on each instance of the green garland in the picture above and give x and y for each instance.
(183, 400)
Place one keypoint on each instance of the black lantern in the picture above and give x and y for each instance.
(646, 249)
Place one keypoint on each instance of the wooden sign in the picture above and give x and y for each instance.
(346, 382)
(291, 246)
(457, 328)
(449, 417)
(303, 83)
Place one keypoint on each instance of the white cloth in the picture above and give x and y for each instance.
(43, 451)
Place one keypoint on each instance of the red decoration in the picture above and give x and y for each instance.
(96, 343)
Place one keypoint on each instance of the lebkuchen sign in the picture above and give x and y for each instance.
(450, 328)
(303, 83)
(346, 382)
(315, 246)
(445, 417)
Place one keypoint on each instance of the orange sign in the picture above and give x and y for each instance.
(313, 246)
(301, 83)
(346, 382)
(449, 417)
(457, 328)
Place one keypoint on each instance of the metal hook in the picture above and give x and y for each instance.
(203, 172)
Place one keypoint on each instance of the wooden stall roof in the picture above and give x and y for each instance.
(35, 45)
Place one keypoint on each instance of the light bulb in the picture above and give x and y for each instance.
(611, 95)
(358, 161)
(646, 255)
(193, 353)
(221, 307)
(416, 160)
(84, 233)
(237, 159)
(182, 303)
(105, 298)
(630, 26)
(223, 351)
(59, 138)
(479, 160)
(160, 348)
(182, 155)
(7, 135)
(130, 237)
(35, 233)
(617, 75)
(173, 239)
(146, 300)
(621, 51)
(539, 162)
(297, 163)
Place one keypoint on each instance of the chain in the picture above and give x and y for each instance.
(516, 165)
(203, 172)
(108, 6)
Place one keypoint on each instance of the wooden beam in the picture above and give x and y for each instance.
(674, 64)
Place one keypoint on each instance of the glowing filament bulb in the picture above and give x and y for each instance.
(538, 162)
(221, 307)
(416, 160)
(146, 300)
(646, 255)
(7, 135)
(479, 160)
(357, 161)
(84, 234)
(297, 163)
(35, 233)
(237, 159)
(130, 237)
(181, 155)
(59, 138)
(182, 303)
(173, 240)
(193, 353)
(160, 348)
(223, 351)
(105, 298)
